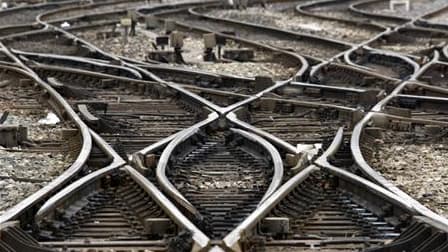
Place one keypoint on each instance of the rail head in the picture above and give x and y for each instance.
(70, 172)
(51, 204)
(231, 116)
(383, 183)
(162, 179)
(232, 241)
(414, 65)
(81, 60)
(277, 162)
(201, 241)
(357, 8)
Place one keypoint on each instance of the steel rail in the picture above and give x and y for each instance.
(301, 8)
(232, 240)
(88, 6)
(171, 190)
(69, 173)
(55, 201)
(231, 116)
(277, 161)
(201, 241)
(379, 179)
(34, 6)
(409, 61)
(327, 87)
(429, 87)
(298, 35)
(356, 7)
(77, 59)
(162, 179)
(7, 31)
(373, 174)
(220, 110)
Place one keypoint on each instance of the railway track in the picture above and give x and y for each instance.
(407, 136)
(330, 209)
(50, 42)
(89, 9)
(341, 75)
(128, 114)
(417, 8)
(412, 42)
(320, 49)
(220, 160)
(283, 15)
(117, 211)
(33, 132)
(387, 64)
(321, 150)
(437, 17)
(27, 14)
(81, 63)
(434, 75)
(312, 122)
(349, 10)
(238, 59)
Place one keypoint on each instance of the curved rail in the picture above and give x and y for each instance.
(301, 8)
(69, 173)
(356, 7)
(336, 43)
(34, 6)
(412, 63)
(231, 116)
(179, 137)
(170, 189)
(68, 191)
(376, 177)
(277, 177)
(81, 60)
(233, 239)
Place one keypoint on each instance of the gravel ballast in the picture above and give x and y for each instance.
(418, 169)
(289, 20)
(44, 154)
